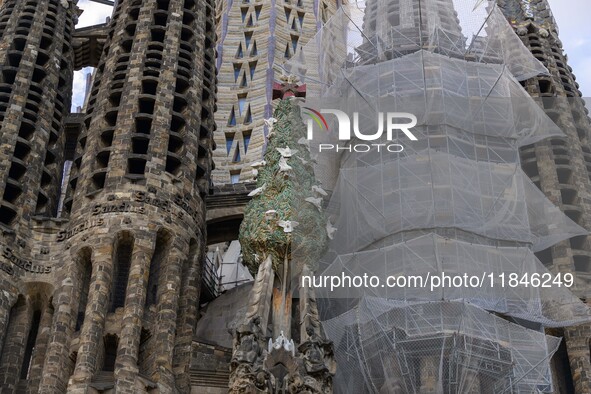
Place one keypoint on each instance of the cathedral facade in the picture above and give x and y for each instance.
(106, 215)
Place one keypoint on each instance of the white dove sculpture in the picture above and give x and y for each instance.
(287, 225)
(257, 164)
(304, 161)
(318, 190)
(283, 166)
(257, 191)
(270, 123)
(270, 214)
(317, 202)
(330, 230)
(304, 141)
(286, 152)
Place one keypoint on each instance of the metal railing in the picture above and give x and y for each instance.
(210, 281)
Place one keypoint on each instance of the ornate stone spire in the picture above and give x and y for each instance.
(283, 235)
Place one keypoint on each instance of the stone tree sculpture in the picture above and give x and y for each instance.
(282, 236)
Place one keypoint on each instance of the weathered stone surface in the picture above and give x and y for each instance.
(253, 42)
(106, 295)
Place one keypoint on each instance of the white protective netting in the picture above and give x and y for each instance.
(454, 201)
(394, 347)
(470, 110)
(497, 288)
(484, 99)
(438, 190)
(358, 35)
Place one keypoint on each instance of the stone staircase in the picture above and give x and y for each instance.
(202, 378)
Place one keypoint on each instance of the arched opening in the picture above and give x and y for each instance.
(110, 353)
(561, 370)
(11, 349)
(161, 250)
(146, 367)
(122, 252)
(26, 337)
(84, 275)
(30, 347)
(223, 267)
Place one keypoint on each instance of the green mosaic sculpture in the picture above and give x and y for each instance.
(285, 220)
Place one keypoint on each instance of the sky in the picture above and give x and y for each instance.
(572, 17)
(93, 14)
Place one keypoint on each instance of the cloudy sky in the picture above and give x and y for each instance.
(93, 14)
(572, 17)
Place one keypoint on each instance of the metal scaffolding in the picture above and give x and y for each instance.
(454, 201)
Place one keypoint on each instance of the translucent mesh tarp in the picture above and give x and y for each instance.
(455, 65)
(467, 109)
(437, 190)
(394, 347)
(387, 29)
(482, 99)
(542, 301)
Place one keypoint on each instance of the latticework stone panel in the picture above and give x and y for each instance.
(254, 39)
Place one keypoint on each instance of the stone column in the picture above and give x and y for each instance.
(55, 375)
(167, 316)
(91, 334)
(126, 364)
(7, 300)
(13, 352)
(40, 349)
(187, 314)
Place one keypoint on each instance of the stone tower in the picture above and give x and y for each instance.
(37, 63)
(560, 167)
(408, 24)
(254, 39)
(36, 59)
(105, 296)
(142, 167)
